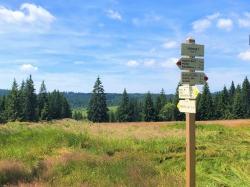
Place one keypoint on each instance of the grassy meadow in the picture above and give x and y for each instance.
(71, 153)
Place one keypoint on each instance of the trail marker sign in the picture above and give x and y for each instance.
(187, 106)
(191, 64)
(188, 92)
(192, 49)
(193, 78)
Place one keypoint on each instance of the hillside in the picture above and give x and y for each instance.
(78, 100)
(70, 153)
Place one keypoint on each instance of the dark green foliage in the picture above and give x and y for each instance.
(205, 105)
(167, 112)
(237, 104)
(77, 115)
(81, 100)
(43, 106)
(160, 103)
(97, 109)
(13, 107)
(245, 94)
(24, 105)
(124, 108)
(30, 105)
(149, 112)
(135, 110)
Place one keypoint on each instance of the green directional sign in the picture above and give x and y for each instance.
(193, 78)
(192, 50)
(186, 63)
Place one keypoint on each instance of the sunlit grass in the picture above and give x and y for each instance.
(66, 152)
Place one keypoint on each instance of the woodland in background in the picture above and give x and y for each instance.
(232, 103)
(23, 104)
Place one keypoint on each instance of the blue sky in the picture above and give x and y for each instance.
(129, 44)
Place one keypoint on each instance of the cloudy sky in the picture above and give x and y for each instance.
(129, 44)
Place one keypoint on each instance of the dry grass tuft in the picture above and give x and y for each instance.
(12, 172)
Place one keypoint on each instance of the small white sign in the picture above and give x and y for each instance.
(191, 64)
(193, 78)
(187, 106)
(192, 50)
(188, 92)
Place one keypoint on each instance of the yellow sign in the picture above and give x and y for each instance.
(188, 92)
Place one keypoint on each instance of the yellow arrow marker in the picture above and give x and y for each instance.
(195, 91)
(178, 105)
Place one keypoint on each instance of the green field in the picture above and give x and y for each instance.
(70, 153)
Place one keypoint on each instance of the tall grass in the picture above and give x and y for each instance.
(67, 153)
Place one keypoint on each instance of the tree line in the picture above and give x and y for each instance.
(232, 103)
(23, 104)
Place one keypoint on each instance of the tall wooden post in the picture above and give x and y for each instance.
(190, 142)
(187, 95)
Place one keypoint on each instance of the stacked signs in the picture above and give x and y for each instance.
(189, 78)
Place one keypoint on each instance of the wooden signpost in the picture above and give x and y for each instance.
(188, 93)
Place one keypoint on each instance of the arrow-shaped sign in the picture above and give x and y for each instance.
(193, 78)
(187, 106)
(188, 92)
(191, 64)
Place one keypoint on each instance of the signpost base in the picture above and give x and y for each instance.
(190, 150)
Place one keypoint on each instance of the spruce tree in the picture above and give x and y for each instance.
(123, 109)
(160, 103)
(245, 94)
(22, 101)
(149, 112)
(134, 110)
(43, 102)
(225, 104)
(205, 106)
(237, 104)
(97, 109)
(13, 109)
(3, 116)
(30, 101)
(66, 111)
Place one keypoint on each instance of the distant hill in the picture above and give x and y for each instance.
(79, 100)
(4, 92)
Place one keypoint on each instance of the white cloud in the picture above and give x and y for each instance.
(245, 55)
(170, 63)
(225, 24)
(149, 63)
(203, 24)
(170, 44)
(245, 22)
(114, 15)
(28, 68)
(132, 63)
(28, 15)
